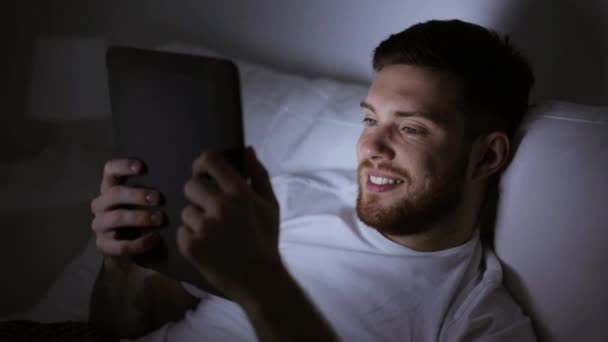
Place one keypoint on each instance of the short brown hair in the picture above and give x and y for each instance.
(496, 78)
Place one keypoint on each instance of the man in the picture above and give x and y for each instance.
(437, 124)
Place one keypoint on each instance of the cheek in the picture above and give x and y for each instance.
(423, 171)
(360, 146)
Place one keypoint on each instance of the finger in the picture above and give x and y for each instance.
(186, 241)
(110, 220)
(202, 193)
(118, 195)
(260, 179)
(110, 246)
(115, 170)
(212, 163)
(193, 218)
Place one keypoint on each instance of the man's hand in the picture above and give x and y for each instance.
(111, 214)
(230, 231)
(127, 301)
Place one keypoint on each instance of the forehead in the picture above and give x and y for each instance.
(408, 88)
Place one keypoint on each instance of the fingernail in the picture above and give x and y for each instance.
(151, 197)
(134, 166)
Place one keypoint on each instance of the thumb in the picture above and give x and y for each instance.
(260, 179)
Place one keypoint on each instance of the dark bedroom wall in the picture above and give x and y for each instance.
(24, 21)
(21, 18)
(567, 43)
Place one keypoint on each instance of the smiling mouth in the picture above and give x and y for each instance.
(377, 180)
(378, 184)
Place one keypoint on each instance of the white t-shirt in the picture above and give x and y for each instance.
(368, 287)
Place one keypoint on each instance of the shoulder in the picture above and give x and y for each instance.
(489, 312)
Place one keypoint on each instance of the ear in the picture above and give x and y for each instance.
(490, 154)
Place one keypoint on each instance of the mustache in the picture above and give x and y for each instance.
(366, 164)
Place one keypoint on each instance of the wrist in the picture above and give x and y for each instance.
(262, 284)
(119, 264)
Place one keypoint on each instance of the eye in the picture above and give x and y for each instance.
(411, 130)
(369, 122)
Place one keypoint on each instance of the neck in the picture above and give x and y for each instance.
(435, 239)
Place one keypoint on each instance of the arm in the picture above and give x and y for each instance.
(128, 301)
(280, 311)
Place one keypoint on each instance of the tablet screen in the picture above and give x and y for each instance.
(167, 109)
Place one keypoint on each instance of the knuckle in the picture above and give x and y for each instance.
(131, 195)
(184, 214)
(134, 218)
(138, 195)
(124, 193)
(108, 167)
(94, 205)
(113, 193)
(95, 224)
(192, 218)
(123, 249)
(121, 193)
(115, 218)
(188, 186)
(142, 218)
(98, 243)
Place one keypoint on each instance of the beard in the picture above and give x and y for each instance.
(417, 212)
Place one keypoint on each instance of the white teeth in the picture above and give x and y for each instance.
(382, 180)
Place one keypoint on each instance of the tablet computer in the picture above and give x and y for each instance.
(167, 109)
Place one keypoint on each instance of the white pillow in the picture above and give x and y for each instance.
(552, 221)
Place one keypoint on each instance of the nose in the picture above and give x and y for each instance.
(376, 146)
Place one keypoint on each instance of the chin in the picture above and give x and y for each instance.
(388, 217)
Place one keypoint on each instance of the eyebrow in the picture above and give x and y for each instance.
(400, 113)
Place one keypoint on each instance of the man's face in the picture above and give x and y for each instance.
(412, 156)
